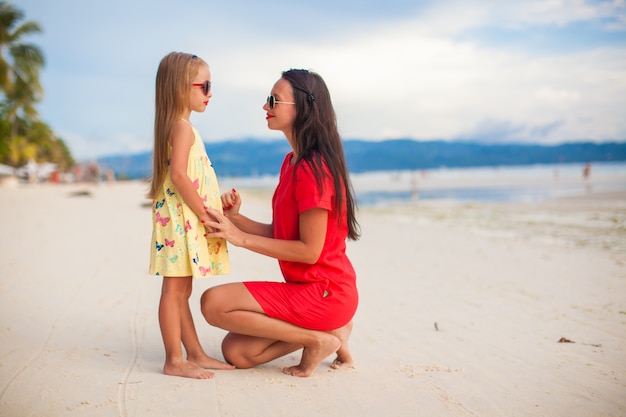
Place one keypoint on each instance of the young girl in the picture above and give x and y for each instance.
(313, 215)
(183, 187)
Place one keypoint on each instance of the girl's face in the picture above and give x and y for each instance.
(198, 99)
(283, 115)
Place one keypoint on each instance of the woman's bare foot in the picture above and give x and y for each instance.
(207, 362)
(312, 356)
(344, 358)
(187, 369)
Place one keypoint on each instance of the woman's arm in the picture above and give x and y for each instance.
(252, 227)
(182, 140)
(307, 249)
(231, 202)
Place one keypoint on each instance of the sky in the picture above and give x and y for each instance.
(496, 71)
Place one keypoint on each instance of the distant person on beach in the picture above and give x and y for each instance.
(587, 177)
(183, 186)
(313, 215)
(587, 171)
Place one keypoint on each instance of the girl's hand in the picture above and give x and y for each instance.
(222, 227)
(231, 202)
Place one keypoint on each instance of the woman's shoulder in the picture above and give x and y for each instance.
(286, 164)
(314, 163)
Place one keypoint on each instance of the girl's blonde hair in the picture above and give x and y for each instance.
(173, 85)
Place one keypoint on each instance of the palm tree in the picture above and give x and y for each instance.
(20, 64)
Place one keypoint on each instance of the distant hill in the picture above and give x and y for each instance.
(255, 157)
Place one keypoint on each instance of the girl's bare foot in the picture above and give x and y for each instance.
(344, 358)
(187, 369)
(207, 362)
(313, 356)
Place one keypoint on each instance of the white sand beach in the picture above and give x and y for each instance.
(461, 311)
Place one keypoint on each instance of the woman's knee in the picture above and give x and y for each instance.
(238, 361)
(234, 354)
(208, 306)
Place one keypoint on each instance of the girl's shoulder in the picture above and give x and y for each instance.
(184, 132)
(183, 124)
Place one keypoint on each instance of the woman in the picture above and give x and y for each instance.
(313, 215)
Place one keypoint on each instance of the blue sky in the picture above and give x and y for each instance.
(525, 71)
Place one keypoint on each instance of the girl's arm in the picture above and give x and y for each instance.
(307, 249)
(182, 140)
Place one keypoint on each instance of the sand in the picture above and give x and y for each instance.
(461, 312)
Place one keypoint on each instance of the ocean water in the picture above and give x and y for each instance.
(532, 183)
(528, 183)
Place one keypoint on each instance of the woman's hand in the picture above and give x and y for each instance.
(231, 202)
(205, 222)
(223, 228)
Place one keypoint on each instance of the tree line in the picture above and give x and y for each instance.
(23, 136)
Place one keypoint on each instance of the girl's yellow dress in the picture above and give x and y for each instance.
(179, 247)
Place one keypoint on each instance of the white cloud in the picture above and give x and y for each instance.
(398, 80)
(450, 17)
(419, 75)
(556, 97)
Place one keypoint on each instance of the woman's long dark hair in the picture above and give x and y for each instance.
(317, 139)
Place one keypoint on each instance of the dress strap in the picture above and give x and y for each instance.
(186, 121)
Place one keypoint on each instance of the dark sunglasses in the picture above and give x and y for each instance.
(271, 101)
(206, 87)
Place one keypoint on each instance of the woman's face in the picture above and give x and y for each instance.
(283, 115)
(199, 100)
